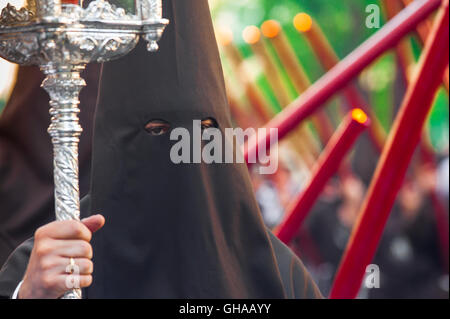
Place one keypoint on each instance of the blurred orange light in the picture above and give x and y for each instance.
(224, 36)
(303, 22)
(359, 116)
(251, 34)
(270, 28)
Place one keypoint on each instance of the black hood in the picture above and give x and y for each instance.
(173, 230)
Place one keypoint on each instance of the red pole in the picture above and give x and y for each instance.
(327, 165)
(423, 30)
(406, 58)
(328, 59)
(391, 170)
(344, 72)
(377, 133)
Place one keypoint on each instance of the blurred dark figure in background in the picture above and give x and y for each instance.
(330, 224)
(409, 256)
(26, 156)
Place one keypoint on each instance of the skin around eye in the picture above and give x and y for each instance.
(209, 123)
(157, 127)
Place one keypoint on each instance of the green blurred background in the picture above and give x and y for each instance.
(343, 22)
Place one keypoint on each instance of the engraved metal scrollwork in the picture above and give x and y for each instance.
(48, 8)
(102, 10)
(151, 9)
(12, 16)
(63, 86)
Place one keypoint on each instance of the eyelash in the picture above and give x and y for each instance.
(157, 131)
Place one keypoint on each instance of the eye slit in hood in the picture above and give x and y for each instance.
(157, 127)
(209, 122)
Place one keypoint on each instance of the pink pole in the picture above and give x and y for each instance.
(344, 72)
(402, 141)
(328, 163)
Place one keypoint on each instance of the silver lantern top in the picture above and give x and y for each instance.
(100, 32)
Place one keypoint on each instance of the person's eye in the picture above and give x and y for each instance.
(156, 131)
(157, 127)
(209, 123)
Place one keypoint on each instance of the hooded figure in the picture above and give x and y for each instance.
(174, 230)
(26, 164)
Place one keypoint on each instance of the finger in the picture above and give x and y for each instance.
(94, 223)
(65, 229)
(81, 266)
(63, 265)
(65, 283)
(68, 248)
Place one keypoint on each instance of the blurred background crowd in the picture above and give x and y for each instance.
(270, 56)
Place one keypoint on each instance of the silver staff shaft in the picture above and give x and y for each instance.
(64, 86)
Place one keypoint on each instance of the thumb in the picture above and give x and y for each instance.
(94, 222)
